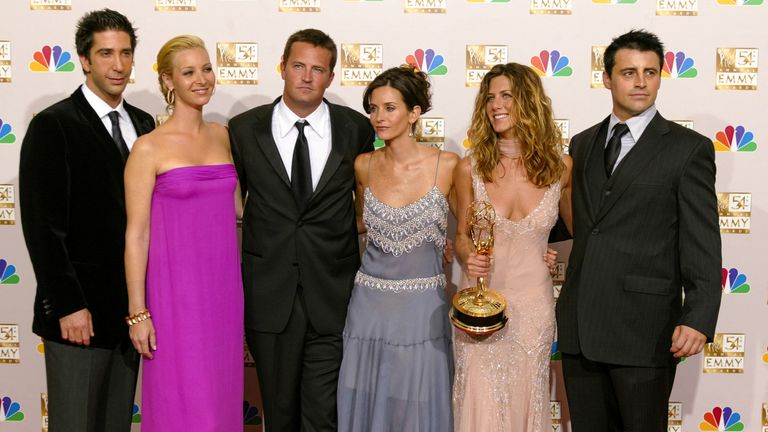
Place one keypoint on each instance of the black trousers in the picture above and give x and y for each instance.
(612, 398)
(90, 389)
(298, 373)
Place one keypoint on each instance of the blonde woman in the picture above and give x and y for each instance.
(516, 164)
(185, 295)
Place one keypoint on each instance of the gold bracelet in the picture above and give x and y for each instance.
(137, 317)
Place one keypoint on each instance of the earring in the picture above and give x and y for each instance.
(170, 97)
(410, 130)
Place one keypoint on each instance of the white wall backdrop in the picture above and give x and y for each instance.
(714, 85)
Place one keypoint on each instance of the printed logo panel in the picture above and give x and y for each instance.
(431, 132)
(597, 66)
(50, 4)
(675, 417)
(735, 139)
(7, 204)
(176, 5)
(428, 62)
(735, 209)
(10, 411)
(736, 69)
(480, 59)
(299, 5)
(677, 65)
(551, 63)
(9, 343)
(557, 416)
(734, 282)
(6, 135)
(551, 7)
(722, 419)
(5, 61)
(426, 6)
(677, 7)
(44, 411)
(237, 63)
(725, 354)
(251, 415)
(361, 63)
(52, 59)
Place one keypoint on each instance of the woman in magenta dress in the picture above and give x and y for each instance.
(182, 261)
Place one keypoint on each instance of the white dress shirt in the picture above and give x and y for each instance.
(318, 137)
(636, 125)
(103, 109)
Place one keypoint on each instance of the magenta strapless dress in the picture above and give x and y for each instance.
(195, 294)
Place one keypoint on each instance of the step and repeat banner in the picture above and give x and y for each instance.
(712, 82)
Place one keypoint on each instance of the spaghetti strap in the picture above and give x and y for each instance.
(439, 152)
(368, 174)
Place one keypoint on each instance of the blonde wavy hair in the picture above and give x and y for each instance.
(534, 127)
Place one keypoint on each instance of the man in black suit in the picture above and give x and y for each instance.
(645, 231)
(295, 159)
(73, 217)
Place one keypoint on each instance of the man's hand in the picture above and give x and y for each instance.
(448, 251)
(77, 327)
(686, 342)
(550, 258)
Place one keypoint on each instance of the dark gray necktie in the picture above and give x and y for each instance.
(612, 150)
(117, 135)
(301, 170)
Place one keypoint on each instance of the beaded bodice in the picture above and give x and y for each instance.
(398, 230)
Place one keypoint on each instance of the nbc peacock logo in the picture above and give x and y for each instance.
(428, 62)
(251, 414)
(52, 59)
(678, 65)
(554, 353)
(6, 135)
(10, 411)
(135, 414)
(735, 139)
(551, 63)
(8, 274)
(734, 282)
(740, 2)
(722, 419)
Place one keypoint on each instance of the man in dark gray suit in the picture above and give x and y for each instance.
(73, 216)
(295, 159)
(645, 232)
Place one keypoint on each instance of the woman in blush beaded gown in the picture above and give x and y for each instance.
(515, 163)
(182, 260)
(396, 370)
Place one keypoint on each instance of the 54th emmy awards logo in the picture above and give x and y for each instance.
(557, 416)
(50, 4)
(677, 7)
(735, 209)
(361, 63)
(480, 59)
(176, 5)
(564, 126)
(299, 6)
(7, 205)
(431, 132)
(9, 343)
(44, 410)
(425, 6)
(736, 69)
(5, 61)
(598, 66)
(552, 7)
(237, 63)
(725, 354)
(675, 417)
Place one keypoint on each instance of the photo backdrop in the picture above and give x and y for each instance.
(711, 83)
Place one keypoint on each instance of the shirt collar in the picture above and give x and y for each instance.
(636, 124)
(102, 108)
(318, 120)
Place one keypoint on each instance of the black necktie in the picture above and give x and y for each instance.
(301, 171)
(612, 150)
(117, 135)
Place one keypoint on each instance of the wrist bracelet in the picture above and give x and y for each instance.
(137, 317)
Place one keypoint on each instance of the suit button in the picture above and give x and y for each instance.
(607, 193)
(595, 231)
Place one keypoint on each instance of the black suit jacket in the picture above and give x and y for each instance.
(284, 247)
(650, 231)
(72, 204)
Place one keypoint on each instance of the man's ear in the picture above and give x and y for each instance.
(606, 80)
(85, 64)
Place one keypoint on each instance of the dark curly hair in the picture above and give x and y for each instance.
(412, 84)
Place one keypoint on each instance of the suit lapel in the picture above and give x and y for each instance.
(262, 129)
(648, 147)
(592, 145)
(339, 138)
(107, 144)
(142, 126)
